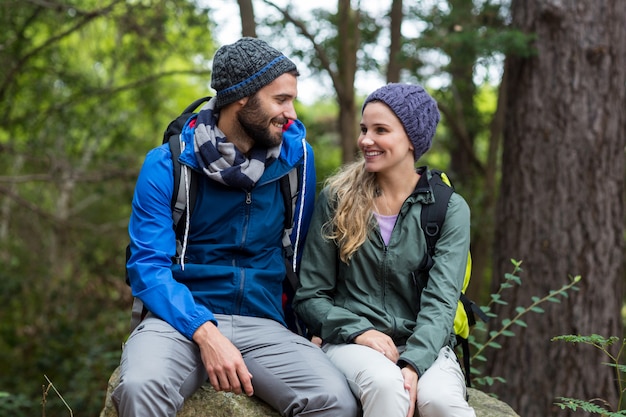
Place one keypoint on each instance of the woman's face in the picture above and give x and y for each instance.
(383, 140)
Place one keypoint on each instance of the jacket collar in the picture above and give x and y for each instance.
(423, 191)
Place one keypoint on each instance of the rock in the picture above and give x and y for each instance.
(204, 403)
(208, 403)
(487, 406)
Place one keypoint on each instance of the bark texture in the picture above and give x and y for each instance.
(561, 207)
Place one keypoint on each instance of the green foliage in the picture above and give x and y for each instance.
(592, 406)
(469, 32)
(86, 89)
(320, 121)
(482, 338)
(322, 27)
(17, 405)
(587, 406)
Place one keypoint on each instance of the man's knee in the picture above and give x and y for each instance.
(145, 396)
(335, 403)
(328, 396)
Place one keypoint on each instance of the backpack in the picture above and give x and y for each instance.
(432, 218)
(289, 187)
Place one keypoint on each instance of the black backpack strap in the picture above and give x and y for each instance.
(172, 137)
(433, 215)
(466, 359)
(179, 201)
(289, 188)
(472, 310)
(286, 192)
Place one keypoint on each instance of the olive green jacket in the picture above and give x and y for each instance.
(377, 290)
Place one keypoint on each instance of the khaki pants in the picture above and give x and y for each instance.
(378, 383)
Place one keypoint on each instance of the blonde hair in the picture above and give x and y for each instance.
(352, 190)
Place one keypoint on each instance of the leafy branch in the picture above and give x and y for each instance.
(511, 280)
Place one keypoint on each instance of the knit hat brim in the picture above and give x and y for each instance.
(244, 67)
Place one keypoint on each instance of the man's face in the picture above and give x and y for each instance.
(262, 118)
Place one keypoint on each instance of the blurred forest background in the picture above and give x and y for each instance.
(532, 94)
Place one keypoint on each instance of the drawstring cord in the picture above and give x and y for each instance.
(187, 218)
(299, 221)
(301, 210)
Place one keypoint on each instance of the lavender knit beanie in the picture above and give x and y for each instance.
(244, 67)
(415, 108)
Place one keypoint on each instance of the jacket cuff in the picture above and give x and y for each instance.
(403, 363)
(357, 334)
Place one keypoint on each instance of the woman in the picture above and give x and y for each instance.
(357, 292)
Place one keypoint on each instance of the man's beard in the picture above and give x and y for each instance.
(254, 122)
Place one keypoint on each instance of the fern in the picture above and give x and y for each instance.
(587, 406)
(603, 344)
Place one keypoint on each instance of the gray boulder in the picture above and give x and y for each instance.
(208, 403)
(487, 406)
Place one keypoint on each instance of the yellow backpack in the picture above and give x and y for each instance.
(432, 219)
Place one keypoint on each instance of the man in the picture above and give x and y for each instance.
(217, 313)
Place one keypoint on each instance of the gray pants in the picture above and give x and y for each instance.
(160, 368)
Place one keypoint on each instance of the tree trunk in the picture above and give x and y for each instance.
(349, 42)
(248, 24)
(561, 205)
(395, 42)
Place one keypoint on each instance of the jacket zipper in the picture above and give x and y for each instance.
(384, 273)
(242, 276)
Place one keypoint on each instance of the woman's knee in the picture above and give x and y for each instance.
(440, 400)
(385, 384)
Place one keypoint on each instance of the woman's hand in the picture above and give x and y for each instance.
(379, 341)
(317, 341)
(410, 384)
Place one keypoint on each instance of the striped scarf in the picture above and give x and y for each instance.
(220, 160)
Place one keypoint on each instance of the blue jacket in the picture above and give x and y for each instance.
(234, 254)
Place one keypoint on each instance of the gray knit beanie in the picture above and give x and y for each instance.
(244, 67)
(416, 110)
